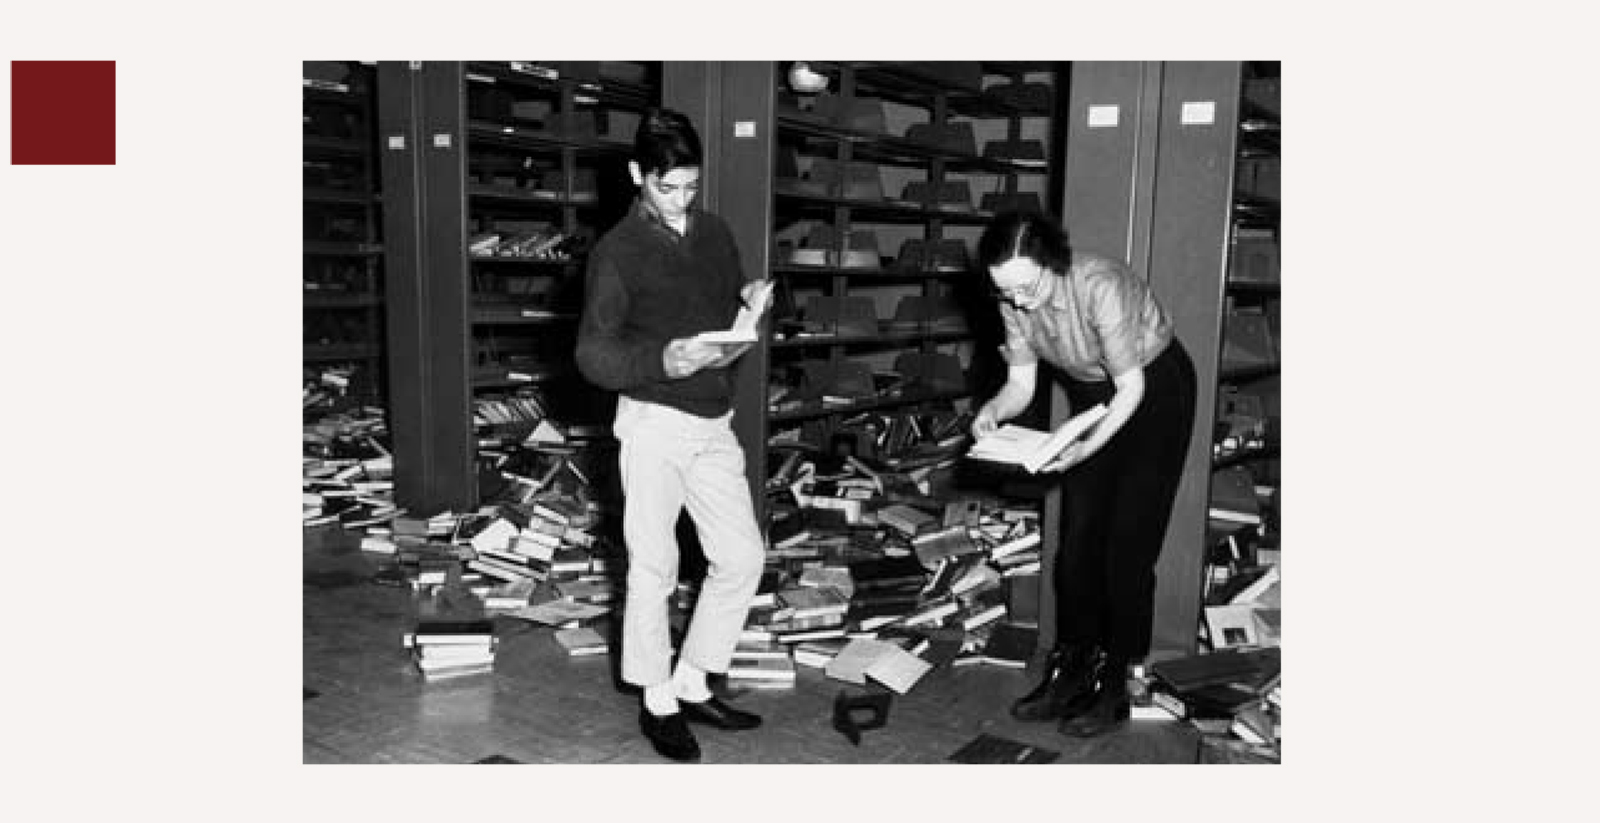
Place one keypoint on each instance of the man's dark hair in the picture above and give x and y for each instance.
(1025, 234)
(666, 140)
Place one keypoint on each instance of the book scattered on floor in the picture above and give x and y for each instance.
(817, 654)
(510, 595)
(496, 535)
(1019, 544)
(907, 520)
(932, 613)
(1033, 449)
(834, 577)
(559, 612)
(582, 641)
(779, 669)
(988, 748)
(817, 601)
(1011, 645)
(932, 547)
(851, 662)
(1230, 626)
(898, 669)
(449, 631)
(594, 591)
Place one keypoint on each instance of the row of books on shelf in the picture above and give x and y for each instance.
(866, 115)
(819, 383)
(826, 246)
(825, 316)
(1250, 336)
(539, 244)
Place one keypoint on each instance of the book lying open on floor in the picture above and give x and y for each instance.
(988, 748)
(743, 329)
(1033, 449)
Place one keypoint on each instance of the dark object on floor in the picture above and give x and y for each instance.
(847, 708)
(670, 736)
(309, 693)
(987, 748)
(495, 760)
(713, 712)
(334, 580)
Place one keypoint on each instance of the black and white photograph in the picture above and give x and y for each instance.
(662, 412)
(888, 387)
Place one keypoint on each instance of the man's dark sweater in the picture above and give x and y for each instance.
(646, 286)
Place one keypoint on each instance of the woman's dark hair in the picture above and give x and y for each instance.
(666, 140)
(1025, 234)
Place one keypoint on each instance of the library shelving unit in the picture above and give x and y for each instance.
(880, 188)
(342, 274)
(1247, 430)
(513, 169)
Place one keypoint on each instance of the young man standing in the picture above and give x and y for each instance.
(663, 274)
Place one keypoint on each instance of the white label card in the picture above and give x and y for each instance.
(1199, 113)
(744, 128)
(397, 142)
(441, 141)
(1103, 117)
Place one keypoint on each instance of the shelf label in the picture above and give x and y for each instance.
(1103, 117)
(1198, 113)
(744, 128)
(441, 141)
(397, 142)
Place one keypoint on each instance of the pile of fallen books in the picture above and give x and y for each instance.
(346, 471)
(452, 648)
(1233, 697)
(892, 589)
(1231, 690)
(337, 387)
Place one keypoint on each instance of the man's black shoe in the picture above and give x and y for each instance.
(670, 736)
(714, 712)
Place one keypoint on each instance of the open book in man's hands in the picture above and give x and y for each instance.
(1031, 448)
(743, 329)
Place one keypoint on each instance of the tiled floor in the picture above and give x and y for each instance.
(364, 702)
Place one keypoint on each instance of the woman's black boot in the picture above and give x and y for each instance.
(1108, 709)
(1066, 687)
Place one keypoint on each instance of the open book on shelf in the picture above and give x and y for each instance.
(743, 329)
(1030, 448)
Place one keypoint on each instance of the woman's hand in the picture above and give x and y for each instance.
(1072, 455)
(985, 422)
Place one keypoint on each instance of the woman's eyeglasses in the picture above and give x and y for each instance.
(1021, 294)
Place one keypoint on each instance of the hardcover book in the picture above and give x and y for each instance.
(850, 664)
(1033, 449)
(581, 641)
(1011, 645)
(743, 329)
(988, 748)
(780, 669)
(898, 669)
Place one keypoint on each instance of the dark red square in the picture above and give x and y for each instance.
(63, 112)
